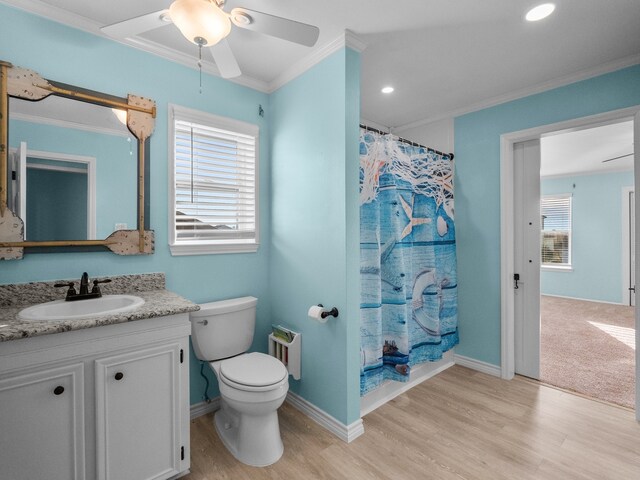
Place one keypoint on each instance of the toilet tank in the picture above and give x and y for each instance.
(223, 329)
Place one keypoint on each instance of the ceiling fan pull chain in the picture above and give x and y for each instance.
(200, 64)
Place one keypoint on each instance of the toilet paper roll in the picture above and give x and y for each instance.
(315, 312)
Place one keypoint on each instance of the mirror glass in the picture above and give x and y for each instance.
(72, 169)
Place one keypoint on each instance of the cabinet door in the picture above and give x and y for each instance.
(42, 425)
(137, 414)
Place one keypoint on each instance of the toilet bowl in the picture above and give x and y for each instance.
(252, 385)
(247, 423)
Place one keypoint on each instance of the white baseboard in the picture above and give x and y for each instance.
(484, 367)
(581, 299)
(202, 408)
(390, 389)
(346, 433)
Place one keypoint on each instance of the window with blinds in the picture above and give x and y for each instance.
(556, 230)
(214, 184)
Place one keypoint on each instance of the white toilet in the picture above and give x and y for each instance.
(252, 385)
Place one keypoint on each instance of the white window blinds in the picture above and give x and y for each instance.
(214, 184)
(556, 230)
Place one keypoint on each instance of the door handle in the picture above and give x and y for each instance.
(632, 289)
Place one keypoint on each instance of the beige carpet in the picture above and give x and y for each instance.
(588, 347)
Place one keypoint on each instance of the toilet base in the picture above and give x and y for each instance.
(253, 440)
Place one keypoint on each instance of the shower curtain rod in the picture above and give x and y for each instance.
(404, 140)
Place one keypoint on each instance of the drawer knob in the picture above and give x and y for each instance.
(58, 390)
(119, 376)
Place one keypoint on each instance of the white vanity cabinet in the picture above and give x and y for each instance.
(42, 424)
(105, 403)
(137, 397)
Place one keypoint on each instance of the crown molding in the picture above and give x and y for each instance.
(345, 40)
(525, 92)
(354, 42)
(56, 14)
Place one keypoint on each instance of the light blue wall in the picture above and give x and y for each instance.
(114, 166)
(74, 57)
(315, 220)
(477, 150)
(596, 250)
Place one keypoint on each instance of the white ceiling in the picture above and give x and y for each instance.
(443, 57)
(584, 151)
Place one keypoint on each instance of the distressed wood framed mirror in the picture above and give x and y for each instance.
(74, 168)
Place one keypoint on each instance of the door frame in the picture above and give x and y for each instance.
(91, 166)
(507, 231)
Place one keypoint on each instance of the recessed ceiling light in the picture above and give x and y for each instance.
(540, 12)
(387, 90)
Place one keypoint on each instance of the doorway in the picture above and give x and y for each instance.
(586, 324)
(46, 185)
(521, 301)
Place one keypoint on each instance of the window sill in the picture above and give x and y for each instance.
(209, 249)
(549, 268)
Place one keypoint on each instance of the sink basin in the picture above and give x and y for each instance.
(62, 310)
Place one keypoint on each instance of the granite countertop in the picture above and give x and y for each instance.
(150, 287)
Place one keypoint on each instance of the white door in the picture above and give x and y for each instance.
(527, 258)
(21, 185)
(632, 250)
(636, 163)
(138, 415)
(42, 425)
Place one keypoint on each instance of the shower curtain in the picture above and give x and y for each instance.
(408, 309)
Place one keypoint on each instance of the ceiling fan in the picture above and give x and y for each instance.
(206, 24)
(617, 158)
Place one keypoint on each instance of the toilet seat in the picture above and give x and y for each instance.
(253, 372)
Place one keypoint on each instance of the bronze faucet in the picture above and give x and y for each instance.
(84, 294)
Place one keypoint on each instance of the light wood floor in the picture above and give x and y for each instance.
(461, 424)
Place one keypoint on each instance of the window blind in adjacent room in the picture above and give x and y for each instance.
(556, 230)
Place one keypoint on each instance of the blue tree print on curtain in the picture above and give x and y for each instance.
(408, 309)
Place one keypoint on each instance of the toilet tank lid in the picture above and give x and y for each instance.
(225, 306)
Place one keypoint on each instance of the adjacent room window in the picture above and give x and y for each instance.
(214, 184)
(556, 231)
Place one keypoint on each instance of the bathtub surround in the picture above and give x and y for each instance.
(477, 149)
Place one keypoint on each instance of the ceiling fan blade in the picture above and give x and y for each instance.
(225, 60)
(136, 25)
(275, 26)
(617, 158)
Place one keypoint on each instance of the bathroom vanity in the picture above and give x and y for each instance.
(104, 397)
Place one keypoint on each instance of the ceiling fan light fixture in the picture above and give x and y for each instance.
(540, 12)
(201, 21)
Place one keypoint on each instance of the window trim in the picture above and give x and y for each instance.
(564, 267)
(204, 247)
